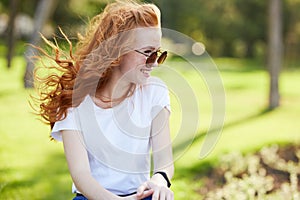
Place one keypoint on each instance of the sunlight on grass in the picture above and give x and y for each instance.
(28, 169)
(32, 167)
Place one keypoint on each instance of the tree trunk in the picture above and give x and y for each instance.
(275, 50)
(43, 11)
(10, 32)
(250, 49)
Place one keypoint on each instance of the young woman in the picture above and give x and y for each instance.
(108, 111)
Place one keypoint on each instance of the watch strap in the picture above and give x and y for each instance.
(165, 177)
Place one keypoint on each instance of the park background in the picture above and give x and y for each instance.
(257, 154)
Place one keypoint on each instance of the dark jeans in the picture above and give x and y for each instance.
(81, 197)
(148, 198)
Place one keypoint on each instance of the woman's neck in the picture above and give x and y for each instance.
(113, 93)
(115, 88)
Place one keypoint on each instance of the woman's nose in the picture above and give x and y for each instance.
(155, 64)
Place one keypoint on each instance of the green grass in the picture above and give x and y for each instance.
(32, 167)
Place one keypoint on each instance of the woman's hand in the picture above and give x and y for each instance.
(160, 191)
(142, 195)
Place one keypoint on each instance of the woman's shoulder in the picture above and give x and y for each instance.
(153, 90)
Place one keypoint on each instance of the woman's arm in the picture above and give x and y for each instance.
(162, 144)
(79, 168)
(162, 158)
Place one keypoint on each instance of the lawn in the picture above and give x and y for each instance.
(33, 167)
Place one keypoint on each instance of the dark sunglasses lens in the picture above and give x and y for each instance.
(162, 57)
(152, 58)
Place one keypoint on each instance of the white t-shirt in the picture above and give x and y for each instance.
(117, 139)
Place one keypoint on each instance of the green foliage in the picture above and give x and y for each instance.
(236, 28)
(72, 15)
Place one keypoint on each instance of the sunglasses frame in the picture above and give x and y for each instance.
(153, 56)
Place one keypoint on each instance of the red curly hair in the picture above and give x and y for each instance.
(58, 91)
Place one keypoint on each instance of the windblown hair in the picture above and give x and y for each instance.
(90, 66)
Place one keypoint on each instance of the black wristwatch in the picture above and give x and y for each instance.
(165, 177)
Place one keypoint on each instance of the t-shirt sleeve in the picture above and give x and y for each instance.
(69, 123)
(160, 97)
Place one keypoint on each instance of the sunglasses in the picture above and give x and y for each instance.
(153, 56)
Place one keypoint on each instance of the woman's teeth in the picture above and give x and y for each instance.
(145, 71)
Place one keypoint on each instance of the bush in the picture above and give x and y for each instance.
(272, 173)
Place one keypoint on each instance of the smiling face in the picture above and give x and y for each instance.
(133, 66)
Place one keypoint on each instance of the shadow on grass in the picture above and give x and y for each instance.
(46, 181)
(57, 176)
(204, 167)
(5, 93)
(240, 65)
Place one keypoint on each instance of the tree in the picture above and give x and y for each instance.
(275, 52)
(250, 26)
(43, 11)
(10, 32)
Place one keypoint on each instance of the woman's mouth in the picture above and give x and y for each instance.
(146, 72)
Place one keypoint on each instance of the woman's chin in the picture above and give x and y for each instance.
(142, 79)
